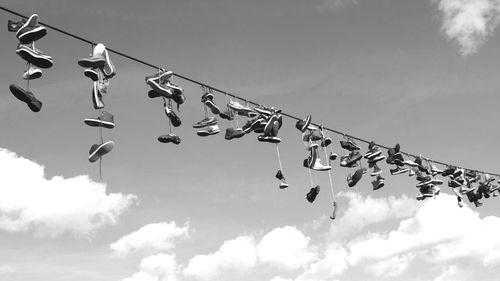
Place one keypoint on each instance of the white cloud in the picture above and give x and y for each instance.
(365, 211)
(392, 267)
(469, 22)
(155, 236)
(332, 263)
(336, 4)
(237, 255)
(286, 247)
(30, 202)
(159, 267)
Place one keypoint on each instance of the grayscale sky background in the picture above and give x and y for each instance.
(420, 73)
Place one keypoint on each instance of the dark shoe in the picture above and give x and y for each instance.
(174, 119)
(378, 183)
(207, 121)
(252, 124)
(34, 57)
(98, 150)
(353, 179)
(398, 170)
(95, 61)
(32, 73)
(227, 114)
(270, 139)
(105, 121)
(333, 156)
(326, 142)
(302, 125)
(26, 96)
(30, 31)
(173, 138)
(232, 133)
(213, 107)
(279, 175)
(14, 26)
(349, 144)
(159, 89)
(311, 195)
(353, 157)
(91, 73)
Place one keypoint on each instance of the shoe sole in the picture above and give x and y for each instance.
(98, 123)
(101, 151)
(41, 61)
(92, 63)
(33, 75)
(35, 105)
(92, 74)
(214, 108)
(33, 35)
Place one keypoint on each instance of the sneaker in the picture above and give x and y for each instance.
(91, 73)
(311, 195)
(97, 60)
(283, 184)
(98, 150)
(208, 131)
(317, 166)
(398, 170)
(343, 161)
(279, 175)
(105, 120)
(270, 125)
(378, 183)
(161, 76)
(176, 89)
(302, 125)
(326, 142)
(436, 170)
(173, 138)
(448, 171)
(26, 96)
(458, 172)
(30, 31)
(252, 124)
(97, 97)
(372, 153)
(227, 114)
(334, 213)
(109, 69)
(315, 135)
(353, 179)
(239, 108)
(411, 163)
(174, 119)
(373, 160)
(333, 156)
(411, 172)
(213, 107)
(270, 139)
(349, 144)
(376, 171)
(160, 89)
(232, 133)
(353, 157)
(33, 56)
(207, 121)
(32, 73)
(14, 26)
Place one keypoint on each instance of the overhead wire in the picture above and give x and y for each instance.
(230, 94)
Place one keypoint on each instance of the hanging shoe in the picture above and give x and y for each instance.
(33, 56)
(109, 69)
(252, 124)
(270, 123)
(232, 133)
(378, 183)
(326, 142)
(349, 144)
(162, 75)
(14, 26)
(105, 120)
(173, 138)
(317, 166)
(159, 90)
(353, 179)
(264, 111)
(102, 85)
(311, 195)
(213, 107)
(30, 31)
(97, 97)
(353, 157)
(97, 60)
(32, 73)
(458, 172)
(227, 114)
(279, 175)
(334, 212)
(343, 161)
(398, 170)
(376, 171)
(207, 121)
(208, 131)
(270, 139)
(26, 96)
(174, 119)
(302, 125)
(448, 171)
(411, 172)
(333, 156)
(99, 150)
(239, 108)
(283, 184)
(91, 73)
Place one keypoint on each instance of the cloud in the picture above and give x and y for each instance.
(159, 267)
(365, 211)
(392, 267)
(238, 255)
(155, 236)
(469, 22)
(51, 207)
(286, 247)
(336, 4)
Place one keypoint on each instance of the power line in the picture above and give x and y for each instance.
(227, 93)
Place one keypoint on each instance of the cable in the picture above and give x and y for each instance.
(227, 93)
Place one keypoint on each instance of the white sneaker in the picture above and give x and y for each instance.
(32, 73)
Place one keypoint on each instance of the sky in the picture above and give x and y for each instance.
(419, 73)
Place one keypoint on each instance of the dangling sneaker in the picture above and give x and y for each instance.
(26, 96)
(105, 120)
(283, 184)
(33, 56)
(334, 213)
(208, 131)
(317, 166)
(98, 150)
(353, 157)
(227, 114)
(109, 69)
(343, 161)
(14, 26)
(311, 195)
(159, 90)
(326, 142)
(30, 31)
(32, 73)
(270, 139)
(353, 179)
(333, 156)
(232, 133)
(176, 89)
(398, 170)
(378, 183)
(176, 121)
(376, 170)
(91, 73)
(97, 60)
(207, 121)
(213, 107)
(173, 138)
(97, 97)
(302, 125)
